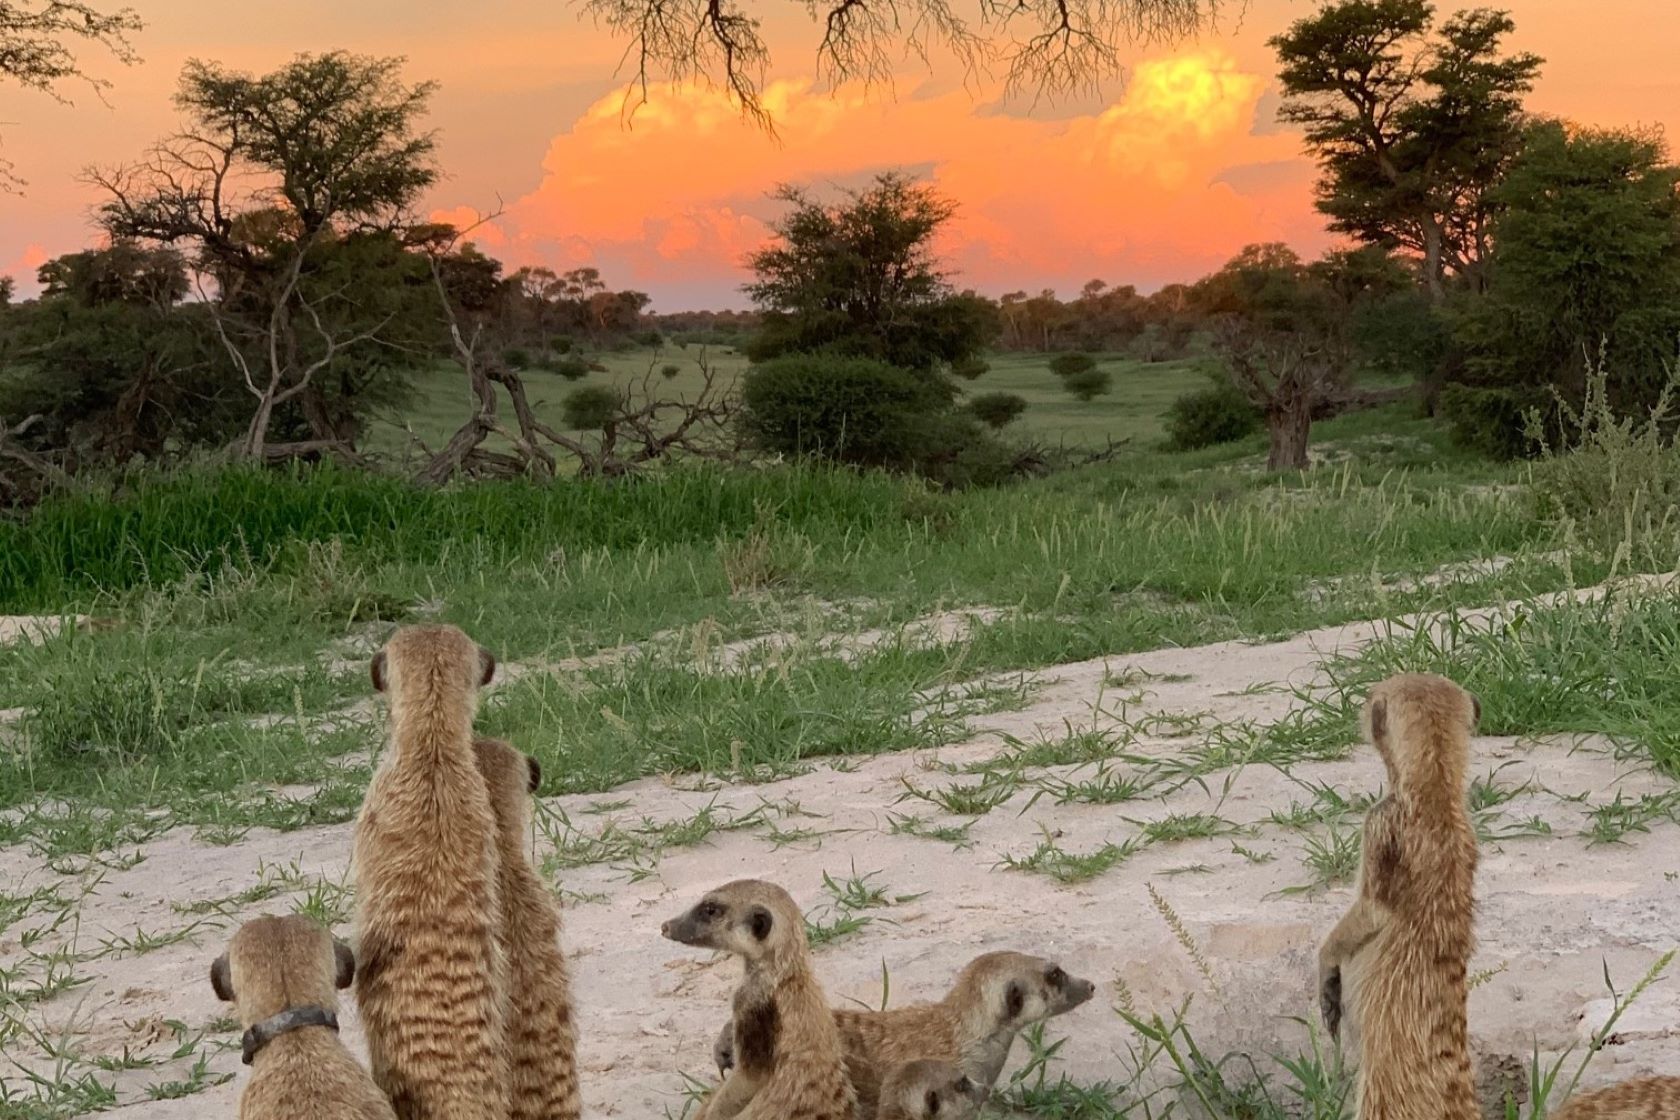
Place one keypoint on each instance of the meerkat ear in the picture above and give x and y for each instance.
(486, 667)
(221, 979)
(761, 922)
(345, 959)
(933, 1102)
(1475, 711)
(535, 779)
(378, 671)
(1379, 719)
(1014, 1000)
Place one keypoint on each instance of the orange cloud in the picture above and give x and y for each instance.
(1164, 183)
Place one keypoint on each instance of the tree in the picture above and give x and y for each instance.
(1412, 125)
(1586, 265)
(35, 50)
(121, 273)
(270, 172)
(859, 278)
(1045, 47)
(997, 410)
(1088, 384)
(1282, 328)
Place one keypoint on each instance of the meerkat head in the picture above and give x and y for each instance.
(1015, 990)
(276, 964)
(931, 1090)
(432, 658)
(1408, 710)
(511, 776)
(749, 917)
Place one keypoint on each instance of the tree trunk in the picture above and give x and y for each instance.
(1289, 423)
(253, 446)
(1432, 261)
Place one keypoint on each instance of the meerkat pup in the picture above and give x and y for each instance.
(433, 978)
(930, 1090)
(284, 975)
(995, 997)
(1648, 1098)
(1413, 917)
(787, 1050)
(542, 1043)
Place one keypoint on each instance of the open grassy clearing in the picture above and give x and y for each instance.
(926, 714)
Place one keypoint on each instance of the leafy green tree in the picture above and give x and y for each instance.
(859, 278)
(1586, 265)
(997, 410)
(1089, 384)
(267, 169)
(1412, 124)
(122, 273)
(1067, 365)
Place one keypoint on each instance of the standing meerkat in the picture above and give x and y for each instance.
(995, 997)
(1415, 910)
(542, 1042)
(284, 976)
(789, 1061)
(433, 978)
(930, 1090)
(1648, 1098)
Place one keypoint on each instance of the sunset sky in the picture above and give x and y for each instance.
(1160, 179)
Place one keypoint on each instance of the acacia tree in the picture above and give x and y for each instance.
(1045, 47)
(270, 171)
(858, 277)
(36, 38)
(1412, 124)
(1282, 327)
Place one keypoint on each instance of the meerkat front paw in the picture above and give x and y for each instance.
(1330, 999)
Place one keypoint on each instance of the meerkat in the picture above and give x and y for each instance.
(789, 1064)
(930, 1090)
(995, 997)
(1648, 1098)
(1413, 923)
(284, 976)
(542, 1042)
(433, 978)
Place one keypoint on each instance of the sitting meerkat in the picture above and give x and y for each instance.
(284, 975)
(1647, 1098)
(930, 1090)
(995, 997)
(1412, 925)
(789, 1061)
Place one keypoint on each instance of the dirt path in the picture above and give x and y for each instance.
(1554, 910)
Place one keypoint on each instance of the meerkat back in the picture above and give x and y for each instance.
(542, 1044)
(1648, 1098)
(432, 986)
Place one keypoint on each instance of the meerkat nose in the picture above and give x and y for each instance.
(665, 928)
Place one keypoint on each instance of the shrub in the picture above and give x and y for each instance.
(851, 410)
(670, 370)
(1088, 384)
(997, 409)
(590, 408)
(1492, 421)
(517, 358)
(1068, 365)
(1217, 414)
(569, 366)
(649, 338)
(970, 368)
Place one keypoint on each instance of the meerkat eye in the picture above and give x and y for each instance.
(1055, 978)
(709, 910)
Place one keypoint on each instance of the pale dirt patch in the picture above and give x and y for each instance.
(1553, 911)
(16, 628)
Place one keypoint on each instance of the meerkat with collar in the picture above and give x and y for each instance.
(432, 981)
(284, 976)
(1412, 924)
(930, 1090)
(542, 1042)
(995, 997)
(789, 1064)
(1648, 1098)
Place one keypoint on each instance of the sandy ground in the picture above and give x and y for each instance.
(1554, 911)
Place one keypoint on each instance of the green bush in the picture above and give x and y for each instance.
(1069, 365)
(849, 410)
(590, 408)
(1217, 414)
(670, 370)
(517, 358)
(569, 366)
(1089, 383)
(970, 368)
(997, 409)
(1493, 421)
